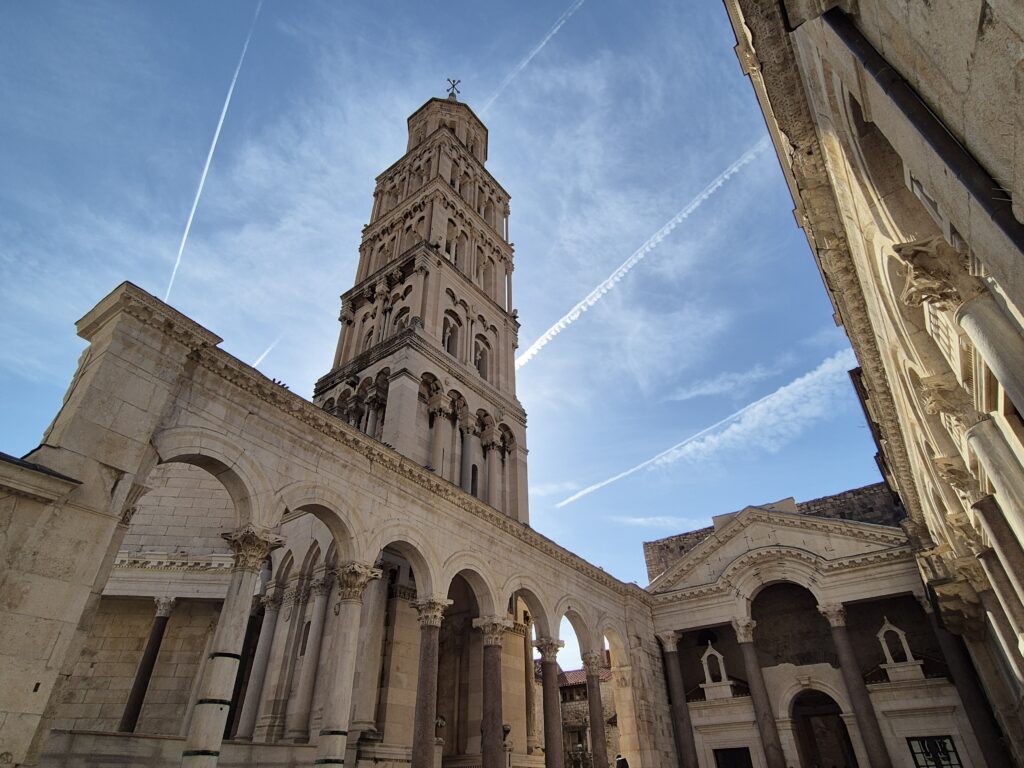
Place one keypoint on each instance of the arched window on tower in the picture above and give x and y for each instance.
(450, 335)
(450, 235)
(462, 253)
(481, 356)
(401, 321)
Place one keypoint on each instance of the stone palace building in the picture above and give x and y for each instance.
(202, 568)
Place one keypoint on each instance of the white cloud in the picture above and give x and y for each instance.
(766, 424)
(657, 521)
(724, 383)
(551, 489)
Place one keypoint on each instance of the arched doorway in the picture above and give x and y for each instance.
(821, 734)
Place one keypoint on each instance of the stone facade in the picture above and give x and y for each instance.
(898, 127)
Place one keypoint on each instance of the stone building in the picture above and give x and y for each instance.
(203, 568)
(900, 130)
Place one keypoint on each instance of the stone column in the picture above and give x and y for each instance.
(491, 736)
(997, 341)
(466, 472)
(592, 663)
(373, 404)
(766, 725)
(250, 546)
(1002, 539)
(258, 674)
(371, 640)
(1002, 469)
(351, 578)
(1005, 596)
(302, 702)
(863, 709)
(440, 414)
(494, 473)
(530, 683)
(164, 606)
(686, 747)
(554, 753)
(431, 611)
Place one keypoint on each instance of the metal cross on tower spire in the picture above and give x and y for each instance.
(453, 87)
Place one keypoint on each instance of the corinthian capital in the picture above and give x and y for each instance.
(493, 628)
(744, 629)
(936, 274)
(955, 473)
(164, 605)
(430, 610)
(943, 394)
(352, 577)
(835, 613)
(548, 648)
(250, 545)
(592, 662)
(668, 640)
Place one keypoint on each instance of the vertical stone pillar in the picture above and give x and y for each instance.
(491, 737)
(997, 341)
(554, 753)
(371, 641)
(250, 546)
(766, 725)
(431, 611)
(373, 405)
(164, 606)
(352, 578)
(437, 434)
(258, 674)
(494, 473)
(1002, 469)
(401, 430)
(863, 709)
(592, 663)
(530, 684)
(1002, 539)
(302, 702)
(682, 727)
(1005, 596)
(466, 472)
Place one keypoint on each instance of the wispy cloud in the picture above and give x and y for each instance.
(267, 351)
(725, 383)
(552, 489)
(652, 242)
(657, 521)
(209, 155)
(525, 61)
(765, 424)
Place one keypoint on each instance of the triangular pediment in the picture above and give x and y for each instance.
(757, 528)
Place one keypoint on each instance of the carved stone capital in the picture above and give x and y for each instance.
(943, 394)
(960, 608)
(668, 640)
(493, 628)
(955, 473)
(272, 600)
(430, 610)
(744, 629)
(164, 605)
(835, 613)
(936, 273)
(548, 648)
(250, 545)
(963, 530)
(352, 577)
(592, 662)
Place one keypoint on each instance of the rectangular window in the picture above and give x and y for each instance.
(934, 752)
(733, 757)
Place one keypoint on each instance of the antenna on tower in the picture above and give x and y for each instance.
(453, 88)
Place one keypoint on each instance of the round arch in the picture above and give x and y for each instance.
(579, 617)
(473, 569)
(409, 545)
(530, 593)
(343, 521)
(753, 571)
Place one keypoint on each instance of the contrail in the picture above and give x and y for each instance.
(610, 282)
(209, 156)
(536, 49)
(802, 398)
(267, 351)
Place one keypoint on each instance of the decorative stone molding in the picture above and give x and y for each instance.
(835, 613)
(548, 648)
(431, 611)
(352, 578)
(936, 273)
(164, 605)
(171, 562)
(250, 545)
(593, 661)
(744, 629)
(493, 628)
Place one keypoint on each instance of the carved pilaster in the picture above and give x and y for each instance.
(431, 611)
(493, 628)
(250, 545)
(548, 648)
(164, 605)
(936, 273)
(835, 613)
(352, 577)
(744, 629)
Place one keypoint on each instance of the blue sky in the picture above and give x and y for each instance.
(613, 127)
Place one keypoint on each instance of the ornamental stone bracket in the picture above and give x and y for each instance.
(251, 544)
(936, 273)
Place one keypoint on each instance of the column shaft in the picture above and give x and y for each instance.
(145, 670)
(530, 686)
(595, 709)
(437, 441)
(494, 476)
(492, 743)
(997, 341)
(766, 725)
(371, 640)
(863, 709)
(1003, 470)
(1002, 539)
(686, 748)
(424, 727)
(554, 753)
(466, 475)
(258, 673)
(302, 703)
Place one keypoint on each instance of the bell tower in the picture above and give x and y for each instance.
(425, 358)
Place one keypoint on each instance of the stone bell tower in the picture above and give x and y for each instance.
(424, 361)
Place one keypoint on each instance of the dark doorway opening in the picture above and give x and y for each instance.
(821, 734)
